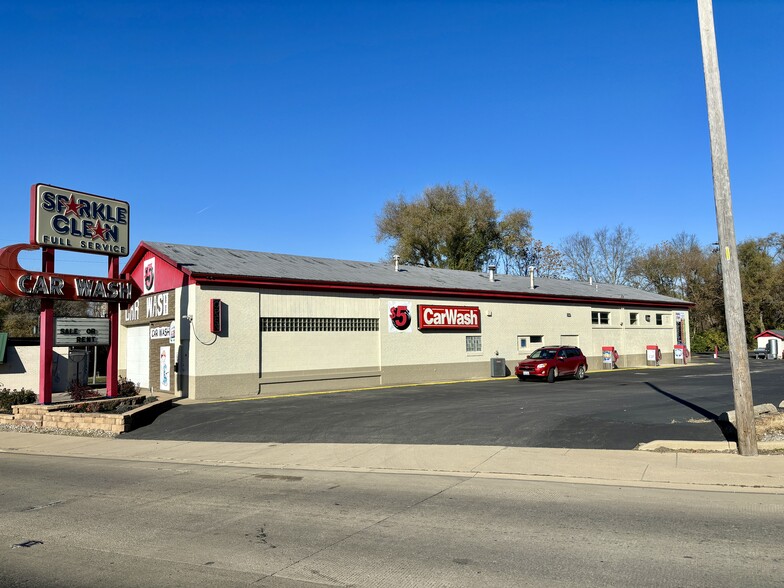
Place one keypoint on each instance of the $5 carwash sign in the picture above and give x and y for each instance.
(434, 318)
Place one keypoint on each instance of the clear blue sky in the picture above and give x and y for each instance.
(284, 126)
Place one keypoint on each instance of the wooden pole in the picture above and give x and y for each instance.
(733, 301)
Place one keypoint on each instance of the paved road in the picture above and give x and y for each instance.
(126, 523)
(615, 410)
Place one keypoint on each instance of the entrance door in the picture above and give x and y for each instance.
(137, 356)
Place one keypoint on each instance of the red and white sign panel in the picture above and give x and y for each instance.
(433, 318)
(17, 281)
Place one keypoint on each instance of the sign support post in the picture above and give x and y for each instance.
(114, 323)
(46, 342)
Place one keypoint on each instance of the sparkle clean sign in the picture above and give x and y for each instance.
(64, 219)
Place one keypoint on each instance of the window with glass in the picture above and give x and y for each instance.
(473, 343)
(600, 318)
(525, 342)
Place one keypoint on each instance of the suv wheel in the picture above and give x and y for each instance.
(552, 375)
(580, 374)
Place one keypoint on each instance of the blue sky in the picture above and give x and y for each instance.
(284, 126)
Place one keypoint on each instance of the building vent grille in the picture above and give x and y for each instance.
(306, 324)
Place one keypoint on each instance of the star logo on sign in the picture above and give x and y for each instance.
(72, 207)
(99, 231)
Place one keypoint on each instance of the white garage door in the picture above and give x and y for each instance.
(137, 356)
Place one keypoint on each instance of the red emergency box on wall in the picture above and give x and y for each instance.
(216, 322)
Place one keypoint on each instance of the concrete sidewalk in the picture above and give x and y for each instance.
(703, 471)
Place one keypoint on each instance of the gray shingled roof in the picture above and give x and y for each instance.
(218, 262)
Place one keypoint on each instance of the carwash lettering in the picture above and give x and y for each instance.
(448, 317)
(74, 288)
(96, 223)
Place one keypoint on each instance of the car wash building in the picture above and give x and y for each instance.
(222, 323)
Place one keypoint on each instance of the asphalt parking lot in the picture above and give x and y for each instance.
(607, 410)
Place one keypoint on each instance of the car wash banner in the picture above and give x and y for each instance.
(445, 318)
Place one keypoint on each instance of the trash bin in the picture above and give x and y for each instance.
(498, 367)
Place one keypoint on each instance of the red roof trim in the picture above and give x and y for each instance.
(769, 334)
(138, 257)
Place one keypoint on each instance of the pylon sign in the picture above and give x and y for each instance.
(77, 221)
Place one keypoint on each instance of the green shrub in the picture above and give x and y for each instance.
(8, 398)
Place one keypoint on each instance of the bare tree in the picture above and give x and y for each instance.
(578, 252)
(604, 256)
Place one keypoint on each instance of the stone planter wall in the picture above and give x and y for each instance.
(56, 416)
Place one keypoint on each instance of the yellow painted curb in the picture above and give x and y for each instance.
(392, 387)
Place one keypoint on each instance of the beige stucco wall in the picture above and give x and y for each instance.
(217, 365)
(503, 323)
(243, 361)
(314, 350)
(412, 356)
(763, 341)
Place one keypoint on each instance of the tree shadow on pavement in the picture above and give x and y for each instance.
(727, 428)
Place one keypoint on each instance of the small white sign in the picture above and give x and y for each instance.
(160, 332)
(173, 332)
(399, 316)
(165, 358)
(149, 276)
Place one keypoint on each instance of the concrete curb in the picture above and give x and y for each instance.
(706, 446)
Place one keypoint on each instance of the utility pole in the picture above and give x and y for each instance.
(733, 301)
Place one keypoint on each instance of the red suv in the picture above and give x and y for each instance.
(552, 362)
